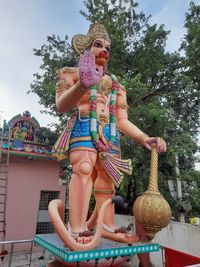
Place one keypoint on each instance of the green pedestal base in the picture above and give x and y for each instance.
(107, 249)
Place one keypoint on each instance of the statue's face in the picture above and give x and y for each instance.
(101, 49)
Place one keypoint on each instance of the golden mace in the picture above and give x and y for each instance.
(150, 209)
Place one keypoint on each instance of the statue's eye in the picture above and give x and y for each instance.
(97, 44)
(108, 48)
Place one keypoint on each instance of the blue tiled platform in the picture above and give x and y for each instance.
(106, 249)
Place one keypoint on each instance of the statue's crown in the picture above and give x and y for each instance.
(81, 42)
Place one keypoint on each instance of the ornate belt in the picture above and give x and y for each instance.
(101, 118)
(85, 114)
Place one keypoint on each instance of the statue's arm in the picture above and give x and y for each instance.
(68, 90)
(123, 124)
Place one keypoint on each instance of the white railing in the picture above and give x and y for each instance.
(8, 254)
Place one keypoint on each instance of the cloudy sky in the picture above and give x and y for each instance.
(24, 25)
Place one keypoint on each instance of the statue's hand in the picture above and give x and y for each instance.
(159, 142)
(88, 74)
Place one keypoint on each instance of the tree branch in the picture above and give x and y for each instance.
(164, 88)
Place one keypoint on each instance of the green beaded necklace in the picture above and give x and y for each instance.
(100, 146)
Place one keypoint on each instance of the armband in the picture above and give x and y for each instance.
(80, 88)
(142, 138)
(123, 106)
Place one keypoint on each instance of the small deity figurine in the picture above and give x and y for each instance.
(30, 132)
(15, 131)
(23, 132)
(91, 137)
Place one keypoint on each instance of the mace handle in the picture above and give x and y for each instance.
(153, 179)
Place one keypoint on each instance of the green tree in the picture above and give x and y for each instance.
(47, 136)
(189, 100)
(123, 23)
(55, 54)
(162, 90)
(191, 190)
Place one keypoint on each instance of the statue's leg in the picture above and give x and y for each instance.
(104, 189)
(80, 188)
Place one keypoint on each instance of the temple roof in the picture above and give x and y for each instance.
(23, 136)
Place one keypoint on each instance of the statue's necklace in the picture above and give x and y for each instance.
(100, 146)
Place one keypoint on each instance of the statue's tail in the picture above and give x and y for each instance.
(56, 213)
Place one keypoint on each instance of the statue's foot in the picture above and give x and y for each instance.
(119, 234)
(84, 237)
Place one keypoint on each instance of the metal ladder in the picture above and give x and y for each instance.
(4, 167)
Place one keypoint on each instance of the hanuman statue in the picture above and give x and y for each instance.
(91, 140)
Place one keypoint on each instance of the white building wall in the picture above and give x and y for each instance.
(180, 236)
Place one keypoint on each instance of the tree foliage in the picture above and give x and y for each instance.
(55, 54)
(162, 88)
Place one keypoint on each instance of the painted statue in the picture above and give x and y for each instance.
(91, 140)
(30, 133)
(16, 130)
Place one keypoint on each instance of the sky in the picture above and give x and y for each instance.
(25, 25)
